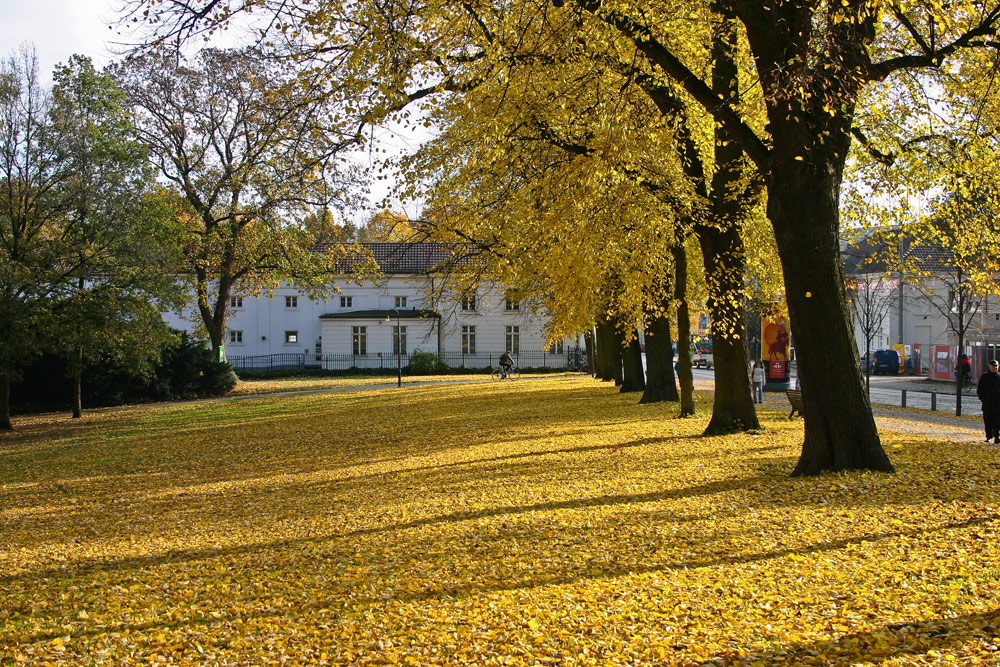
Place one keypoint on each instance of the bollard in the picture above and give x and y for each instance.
(933, 401)
(904, 399)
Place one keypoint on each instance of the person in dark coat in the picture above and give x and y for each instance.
(988, 391)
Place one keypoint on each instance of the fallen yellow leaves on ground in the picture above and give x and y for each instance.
(544, 522)
(250, 385)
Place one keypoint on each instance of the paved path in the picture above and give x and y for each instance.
(939, 427)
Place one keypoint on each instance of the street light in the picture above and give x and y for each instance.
(399, 340)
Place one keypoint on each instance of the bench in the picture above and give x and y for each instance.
(795, 398)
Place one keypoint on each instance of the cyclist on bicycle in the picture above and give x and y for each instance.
(506, 362)
(965, 370)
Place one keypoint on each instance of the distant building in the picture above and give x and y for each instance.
(405, 310)
(919, 305)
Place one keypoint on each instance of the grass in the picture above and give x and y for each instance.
(545, 522)
(252, 386)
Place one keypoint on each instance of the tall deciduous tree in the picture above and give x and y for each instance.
(86, 261)
(251, 152)
(125, 242)
(33, 264)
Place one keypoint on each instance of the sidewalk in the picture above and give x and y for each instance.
(929, 426)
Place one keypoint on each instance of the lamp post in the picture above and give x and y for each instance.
(399, 340)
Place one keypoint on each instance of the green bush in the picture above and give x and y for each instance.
(187, 369)
(425, 363)
(191, 370)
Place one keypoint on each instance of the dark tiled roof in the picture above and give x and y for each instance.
(870, 254)
(409, 258)
(933, 259)
(379, 314)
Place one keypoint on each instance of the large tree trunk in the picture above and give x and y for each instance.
(685, 376)
(77, 392)
(617, 349)
(840, 431)
(5, 424)
(213, 314)
(722, 250)
(588, 344)
(633, 378)
(660, 383)
(605, 351)
(810, 112)
(724, 254)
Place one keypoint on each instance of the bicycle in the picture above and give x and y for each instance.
(499, 374)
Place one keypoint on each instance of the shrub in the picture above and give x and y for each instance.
(425, 363)
(187, 369)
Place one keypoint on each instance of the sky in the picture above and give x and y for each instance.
(61, 28)
(58, 29)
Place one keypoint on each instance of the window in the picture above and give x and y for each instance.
(511, 304)
(235, 336)
(469, 300)
(291, 337)
(557, 348)
(235, 302)
(359, 340)
(291, 302)
(347, 302)
(513, 339)
(399, 340)
(468, 340)
(400, 302)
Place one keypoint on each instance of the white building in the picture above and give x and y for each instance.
(368, 323)
(920, 311)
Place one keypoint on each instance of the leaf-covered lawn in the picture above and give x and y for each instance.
(545, 522)
(253, 386)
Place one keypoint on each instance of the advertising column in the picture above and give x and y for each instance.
(776, 349)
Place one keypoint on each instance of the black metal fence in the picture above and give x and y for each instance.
(573, 359)
(266, 363)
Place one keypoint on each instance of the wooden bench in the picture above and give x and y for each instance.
(795, 398)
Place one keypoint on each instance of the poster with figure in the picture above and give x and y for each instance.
(942, 362)
(776, 348)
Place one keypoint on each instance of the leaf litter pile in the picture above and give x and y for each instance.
(543, 522)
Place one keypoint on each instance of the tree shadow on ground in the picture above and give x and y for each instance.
(913, 639)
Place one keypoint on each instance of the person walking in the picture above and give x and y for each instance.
(758, 381)
(988, 391)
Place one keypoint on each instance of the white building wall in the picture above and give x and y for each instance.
(264, 322)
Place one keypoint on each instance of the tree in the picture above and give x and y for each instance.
(84, 256)
(872, 297)
(30, 264)
(931, 202)
(250, 152)
(125, 242)
(387, 226)
(323, 229)
(811, 60)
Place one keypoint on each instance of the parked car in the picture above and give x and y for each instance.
(703, 358)
(884, 362)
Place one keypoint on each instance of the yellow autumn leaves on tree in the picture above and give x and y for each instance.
(542, 522)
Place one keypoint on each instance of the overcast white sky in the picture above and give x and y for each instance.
(60, 28)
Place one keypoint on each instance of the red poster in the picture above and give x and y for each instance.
(776, 349)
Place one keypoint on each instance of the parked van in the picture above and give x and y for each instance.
(886, 362)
